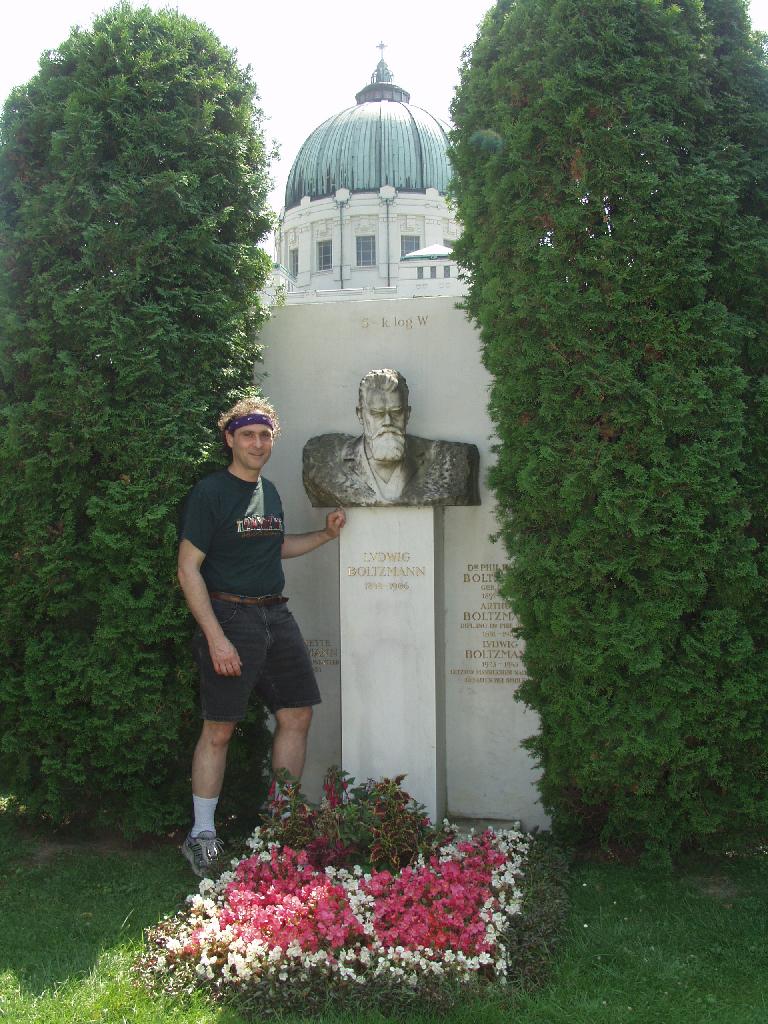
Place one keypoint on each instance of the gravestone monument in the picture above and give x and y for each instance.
(352, 600)
(391, 583)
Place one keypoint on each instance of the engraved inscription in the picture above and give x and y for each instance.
(322, 653)
(386, 570)
(389, 565)
(394, 323)
(492, 650)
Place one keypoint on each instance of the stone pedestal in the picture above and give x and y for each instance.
(392, 643)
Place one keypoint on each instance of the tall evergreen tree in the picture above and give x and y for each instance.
(590, 181)
(133, 187)
(738, 79)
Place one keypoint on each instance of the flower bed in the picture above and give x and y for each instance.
(289, 930)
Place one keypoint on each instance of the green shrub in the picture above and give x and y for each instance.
(133, 186)
(739, 260)
(600, 204)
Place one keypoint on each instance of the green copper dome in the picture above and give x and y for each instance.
(381, 141)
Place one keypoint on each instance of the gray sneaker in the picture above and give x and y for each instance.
(203, 853)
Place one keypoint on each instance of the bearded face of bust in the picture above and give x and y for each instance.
(384, 415)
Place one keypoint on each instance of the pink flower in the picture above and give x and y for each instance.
(437, 906)
(284, 901)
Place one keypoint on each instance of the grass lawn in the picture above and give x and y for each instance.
(690, 947)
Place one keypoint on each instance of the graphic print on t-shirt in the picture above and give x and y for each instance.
(254, 523)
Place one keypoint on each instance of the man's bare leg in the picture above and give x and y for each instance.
(201, 847)
(209, 761)
(289, 744)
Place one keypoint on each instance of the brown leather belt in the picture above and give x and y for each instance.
(261, 601)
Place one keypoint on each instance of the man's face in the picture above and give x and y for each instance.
(384, 416)
(251, 447)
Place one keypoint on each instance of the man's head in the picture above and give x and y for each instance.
(383, 411)
(250, 425)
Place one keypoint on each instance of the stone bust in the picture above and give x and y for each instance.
(384, 465)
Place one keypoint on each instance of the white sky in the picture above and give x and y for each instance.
(309, 57)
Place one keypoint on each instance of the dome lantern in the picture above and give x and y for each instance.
(381, 86)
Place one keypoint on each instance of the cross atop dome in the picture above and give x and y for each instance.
(382, 72)
(382, 85)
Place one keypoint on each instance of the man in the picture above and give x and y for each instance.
(230, 571)
(384, 466)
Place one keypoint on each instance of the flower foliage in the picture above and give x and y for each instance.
(440, 922)
(376, 824)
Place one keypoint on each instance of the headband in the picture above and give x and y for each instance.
(252, 417)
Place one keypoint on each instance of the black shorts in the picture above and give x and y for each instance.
(276, 662)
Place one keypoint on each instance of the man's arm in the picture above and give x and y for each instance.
(226, 660)
(300, 543)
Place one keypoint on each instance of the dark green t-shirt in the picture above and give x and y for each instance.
(224, 517)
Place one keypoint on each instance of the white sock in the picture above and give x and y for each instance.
(205, 808)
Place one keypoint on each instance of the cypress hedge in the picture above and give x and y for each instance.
(133, 184)
(739, 262)
(604, 187)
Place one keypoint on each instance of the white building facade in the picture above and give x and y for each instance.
(365, 197)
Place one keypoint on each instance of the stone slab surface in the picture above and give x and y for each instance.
(392, 691)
